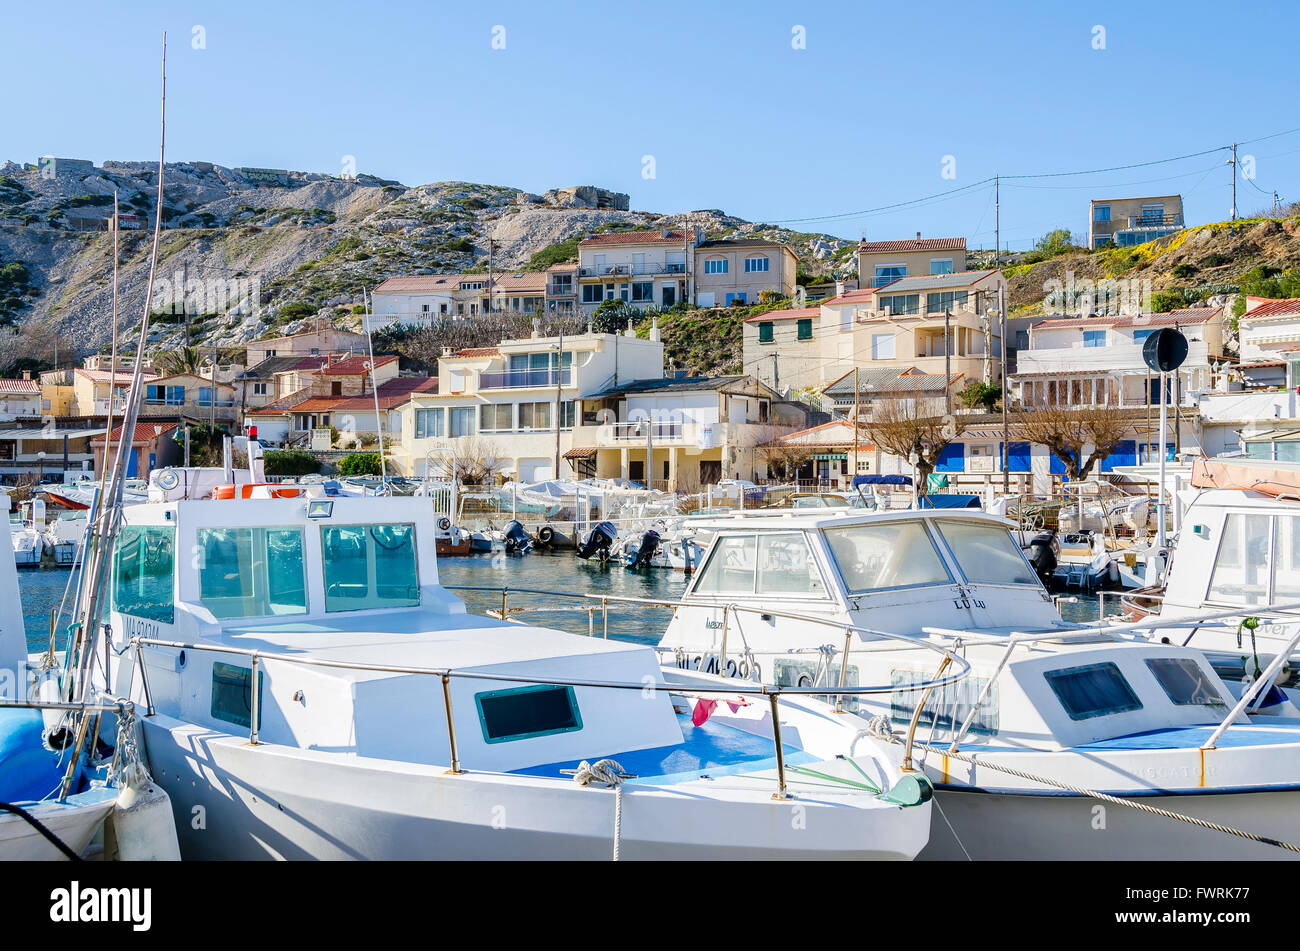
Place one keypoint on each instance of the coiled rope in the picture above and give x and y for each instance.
(879, 728)
(610, 773)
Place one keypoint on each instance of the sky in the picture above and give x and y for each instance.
(811, 115)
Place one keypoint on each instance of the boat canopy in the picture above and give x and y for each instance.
(950, 500)
(881, 480)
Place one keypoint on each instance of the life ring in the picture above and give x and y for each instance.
(444, 524)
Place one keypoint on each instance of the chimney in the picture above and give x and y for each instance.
(918, 236)
(839, 288)
(27, 374)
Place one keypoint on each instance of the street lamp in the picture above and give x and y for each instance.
(40, 458)
(991, 314)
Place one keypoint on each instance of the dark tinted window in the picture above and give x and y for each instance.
(232, 694)
(527, 711)
(1185, 681)
(1092, 691)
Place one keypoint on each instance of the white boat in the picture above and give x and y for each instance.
(65, 536)
(389, 723)
(80, 495)
(27, 532)
(1050, 708)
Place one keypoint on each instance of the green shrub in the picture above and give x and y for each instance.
(359, 464)
(1164, 301)
(565, 252)
(290, 462)
(1184, 270)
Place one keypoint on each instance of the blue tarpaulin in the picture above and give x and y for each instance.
(881, 480)
(950, 500)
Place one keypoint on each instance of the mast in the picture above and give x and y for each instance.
(111, 506)
(374, 388)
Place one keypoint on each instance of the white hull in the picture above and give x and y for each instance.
(1027, 827)
(280, 802)
(74, 822)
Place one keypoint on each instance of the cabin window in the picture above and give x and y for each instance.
(369, 566)
(948, 706)
(524, 712)
(730, 569)
(252, 572)
(232, 694)
(1093, 690)
(1185, 682)
(1241, 569)
(986, 553)
(886, 555)
(786, 566)
(1286, 559)
(144, 572)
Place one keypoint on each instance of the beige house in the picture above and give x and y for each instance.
(91, 389)
(931, 325)
(1128, 221)
(307, 344)
(20, 398)
(643, 268)
(880, 262)
(737, 272)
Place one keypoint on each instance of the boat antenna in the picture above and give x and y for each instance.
(111, 510)
(374, 387)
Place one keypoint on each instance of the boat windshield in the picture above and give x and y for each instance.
(986, 553)
(369, 566)
(886, 555)
(252, 572)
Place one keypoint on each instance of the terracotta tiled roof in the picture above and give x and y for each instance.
(321, 404)
(860, 296)
(103, 376)
(281, 406)
(792, 314)
(353, 366)
(633, 237)
(478, 352)
(25, 387)
(1069, 323)
(916, 244)
(144, 433)
(1192, 315)
(426, 282)
(392, 393)
(1272, 307)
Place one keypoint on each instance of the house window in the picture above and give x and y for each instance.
(944, 300)
(1101, 213)
(756, 264)
(882, 346)
(567, 410)
(715, 266)
(1140, 336)
(940, 265)
(888, 272)
(259, 389)
(462, 421)
(534, 415)
(429, 423)
(643, 292)
(902, 303)
(442, 308)
(495, 417)
(805, 328)
(1094, 338)
(166, 395)
(593, 293)
(765, 332)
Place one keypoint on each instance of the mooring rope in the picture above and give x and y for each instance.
(610, 773)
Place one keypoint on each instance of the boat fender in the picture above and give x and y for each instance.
(142, 826)
(912, 789)
(545, 535)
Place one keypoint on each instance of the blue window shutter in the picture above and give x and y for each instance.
(1057, 467)
(952, 459)
(1018, 458)
(1124, 454)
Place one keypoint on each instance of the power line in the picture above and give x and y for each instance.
(872, 211)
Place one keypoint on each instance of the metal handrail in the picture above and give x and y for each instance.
(445, 674)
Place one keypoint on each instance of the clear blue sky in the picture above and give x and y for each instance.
(734, 117)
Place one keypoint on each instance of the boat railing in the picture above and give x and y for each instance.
(1197, 622)
(738, 687)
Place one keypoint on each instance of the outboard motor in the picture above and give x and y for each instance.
(1042, 555)
(516, 539)
(598, 541)
(649, 545)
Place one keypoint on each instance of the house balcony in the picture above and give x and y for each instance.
(524, 379)
(1156, 221)
(625, 270)
(668, 434)
(560, 290)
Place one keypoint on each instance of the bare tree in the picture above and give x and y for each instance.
(1078, 437)
(907, 428)
(477, 462)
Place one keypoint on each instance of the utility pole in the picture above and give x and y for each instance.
(997, 221)
(1006, 395)
(491, 248)
(212, 399)
(559, 381)
(776, 379)
(185, 301)
(1234, 181)
(947, 361)
(857, 390)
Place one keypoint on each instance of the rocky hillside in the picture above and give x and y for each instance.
(1205, 263)
(306, 243)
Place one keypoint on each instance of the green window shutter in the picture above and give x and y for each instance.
(765, 332)
(805, 328)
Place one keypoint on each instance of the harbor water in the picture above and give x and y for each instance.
(42, 592)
